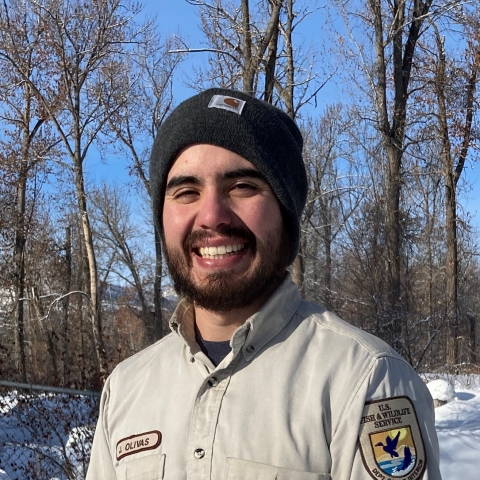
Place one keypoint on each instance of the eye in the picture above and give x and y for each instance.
(244, 188)
(185, 195)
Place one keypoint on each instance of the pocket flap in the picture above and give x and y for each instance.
(149, 467)
(238, 469)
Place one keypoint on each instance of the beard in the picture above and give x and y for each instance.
(219, 292)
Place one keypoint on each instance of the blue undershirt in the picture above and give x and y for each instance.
(215, 351)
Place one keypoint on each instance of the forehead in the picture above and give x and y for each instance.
(204, 160)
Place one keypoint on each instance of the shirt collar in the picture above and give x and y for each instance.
(256, 332)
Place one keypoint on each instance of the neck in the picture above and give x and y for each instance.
(220, 326)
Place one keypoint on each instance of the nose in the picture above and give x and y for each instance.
(214, 211)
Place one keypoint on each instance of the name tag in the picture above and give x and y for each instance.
(138, 443)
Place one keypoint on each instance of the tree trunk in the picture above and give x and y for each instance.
(288, 94)
(148, 321)
(19, 258)
(393, 247)
(327, 274)
(66, 307)
(248, 69)
(472, 344)
(20, 243)
(451, 267)
(451, 174)
(270, 69)
(298, 269)
(47, 329)
(252, 60)
(270, 66)
(95, 301)
(404, 37)
(157, 288)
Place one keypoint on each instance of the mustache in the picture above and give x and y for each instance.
(236, 233)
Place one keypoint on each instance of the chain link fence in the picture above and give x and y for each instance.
(45, 433)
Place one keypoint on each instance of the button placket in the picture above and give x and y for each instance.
(204, 423)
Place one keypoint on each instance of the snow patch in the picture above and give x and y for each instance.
(458, 428)
(442, 390)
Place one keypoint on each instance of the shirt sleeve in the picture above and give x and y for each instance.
(101, 462)
(387, 430)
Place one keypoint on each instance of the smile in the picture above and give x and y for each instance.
(221, 251)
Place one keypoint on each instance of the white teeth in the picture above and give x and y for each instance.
(220, 251)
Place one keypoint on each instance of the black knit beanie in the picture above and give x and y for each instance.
(247, 126)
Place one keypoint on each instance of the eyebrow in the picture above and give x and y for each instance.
(180, 180)
(243, 172)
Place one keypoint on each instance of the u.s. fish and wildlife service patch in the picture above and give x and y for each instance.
(390, 440)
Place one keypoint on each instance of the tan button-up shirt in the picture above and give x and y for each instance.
(288, 403)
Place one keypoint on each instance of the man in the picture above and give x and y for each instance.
(253, 382)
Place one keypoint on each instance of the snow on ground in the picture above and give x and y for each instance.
(458, 428)
(45, 436)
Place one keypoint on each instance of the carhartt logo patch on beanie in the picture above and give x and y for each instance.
(256, 130)
(227, 103)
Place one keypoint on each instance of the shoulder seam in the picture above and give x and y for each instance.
(156, 344)
(373, 354)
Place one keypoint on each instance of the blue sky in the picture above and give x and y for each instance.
(178, 17)
(173, 16)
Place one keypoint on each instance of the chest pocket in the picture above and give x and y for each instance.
(238, 469)
(149, 467)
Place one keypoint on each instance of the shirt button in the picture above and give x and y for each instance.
(250, 349)
(199, 453)
(213, 382)
(192, 359)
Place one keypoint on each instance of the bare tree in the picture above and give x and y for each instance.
(403, 30)
(147, 99)
(455, 94)
(122, 239)
(86, 41)
(386, 36)
(27, 140)
(336, 190)
(240, 44)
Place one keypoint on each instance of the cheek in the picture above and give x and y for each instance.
(264, 218)
(175, 223)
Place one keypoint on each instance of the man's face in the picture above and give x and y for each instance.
(225, 244)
